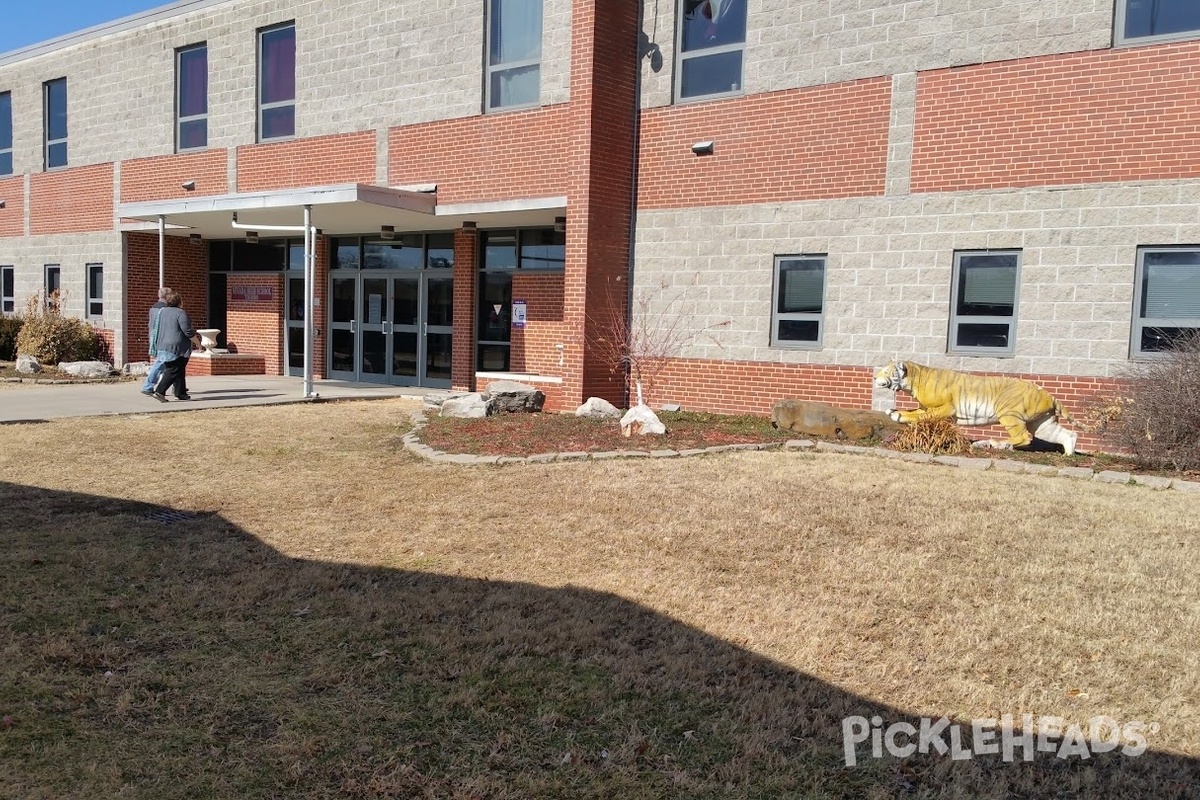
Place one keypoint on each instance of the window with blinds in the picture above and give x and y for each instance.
(983, 311)
(1166, 298)
(797, 317)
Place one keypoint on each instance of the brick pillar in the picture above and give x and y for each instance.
(603, 152)
(466, 277)
(185, 269)
(321, 316)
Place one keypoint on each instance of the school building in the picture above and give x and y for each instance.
(809, 188)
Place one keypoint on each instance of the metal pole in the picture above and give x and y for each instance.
(309, 297)
(162, 235)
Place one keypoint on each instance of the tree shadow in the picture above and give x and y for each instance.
(154, 653)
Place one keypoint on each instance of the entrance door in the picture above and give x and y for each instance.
(294, 327)
(388, 328)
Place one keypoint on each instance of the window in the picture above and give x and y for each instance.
(514, 53)
(95, 290)
(8, 303)
(55, 115)
(798, 317)
(712, 36)
(191, 97)
(1141, 21)
(6, 164)
(53, 285)
(1166, 297)
(984, 303)
(277, 82)
(501, 253)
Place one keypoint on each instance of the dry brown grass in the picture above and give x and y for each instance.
(347, 621)
(940, 436)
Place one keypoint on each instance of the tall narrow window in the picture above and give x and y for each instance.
(1166, 296)
(983, 311)
(6, 164)
(8, 303)
(53, 285)
(798, 318)
(712, 38)
(55, 115)
(514, 53)
(1140, 21)
(277, 82)
(95, 290)
(191, 97)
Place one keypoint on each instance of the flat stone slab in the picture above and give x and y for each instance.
(977, 464)
(917, 458)
(1185, 486)
(1156, 482)
(830, 447)
(1112, 476)
(799, 444)
(541, 458)
(1008, 465)
(1080, 473)
(574, 456)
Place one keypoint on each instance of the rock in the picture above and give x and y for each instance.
(136, 368)
(86, 369)
(435, 399)
(819, 419)
(513, 397)
(641, 420)
(598, 408)
(28, 365)
(468, 406)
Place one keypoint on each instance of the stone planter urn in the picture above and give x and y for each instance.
(208, 339)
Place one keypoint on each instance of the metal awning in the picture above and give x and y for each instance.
(336, 210)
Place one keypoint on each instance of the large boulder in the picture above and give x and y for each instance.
(468, 406)
(86, 369)
(641, 421)
(136, 368)
(28, 365)
(513, 397)
(830, 422)
(598, 408)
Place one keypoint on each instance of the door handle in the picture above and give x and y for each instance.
(353, 326)
(387, 327)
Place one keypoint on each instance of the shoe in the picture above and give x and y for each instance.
(183, 397)
(162, 398)
(148, 392)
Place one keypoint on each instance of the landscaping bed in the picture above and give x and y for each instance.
(50, 374)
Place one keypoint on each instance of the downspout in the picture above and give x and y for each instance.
(633, 183)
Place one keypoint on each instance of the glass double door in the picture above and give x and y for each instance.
(390, 328)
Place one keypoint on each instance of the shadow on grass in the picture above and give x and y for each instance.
(184, 658)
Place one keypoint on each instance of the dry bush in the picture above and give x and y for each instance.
(10, 327)
(939, 436)
(52, 338)
(1159, 419)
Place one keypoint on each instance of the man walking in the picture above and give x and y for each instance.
(157, 360)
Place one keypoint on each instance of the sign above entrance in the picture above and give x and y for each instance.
(252, 294)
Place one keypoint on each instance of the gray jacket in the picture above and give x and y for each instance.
(175, 332)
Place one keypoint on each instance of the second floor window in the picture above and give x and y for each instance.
(1139, 21)
(712, 36)
(514, 53)
(55, 115)
(277, 82)
(6, 163)
(191, 98)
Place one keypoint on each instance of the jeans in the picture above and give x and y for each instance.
(156, 370)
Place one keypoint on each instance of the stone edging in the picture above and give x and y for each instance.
(977, 464)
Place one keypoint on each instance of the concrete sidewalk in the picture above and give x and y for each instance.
(25, 402)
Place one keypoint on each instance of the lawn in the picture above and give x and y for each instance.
(326, 615)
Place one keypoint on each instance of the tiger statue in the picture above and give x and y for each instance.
(1025, 409)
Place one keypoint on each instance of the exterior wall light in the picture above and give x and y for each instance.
(560, 224)
(188, 186)
(387, 232)
(705, 148)
(251, 237)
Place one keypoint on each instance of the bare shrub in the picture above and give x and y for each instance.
(10, 328)
(938, 436)
(52, 338)
(1159, 418)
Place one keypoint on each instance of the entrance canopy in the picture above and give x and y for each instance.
(336, 210)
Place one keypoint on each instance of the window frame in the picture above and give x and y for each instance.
(1121, 40)
(491, 69)
(778, 316)
(6, 125)
(1139, 323)
(260, 81)
(181, 120)
(47, 142)
(95, 303)
(8, 300)
(1010, 350)
(681, 57)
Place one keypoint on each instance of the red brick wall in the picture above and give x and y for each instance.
(319, 161)
(185, 271)
(1108, 115)
(12, 216)
(602, 157)
(161, 177)
(257, 326)
(71, 200)
(800, 144)
(533, 347)
(462, 343)
(489, 157)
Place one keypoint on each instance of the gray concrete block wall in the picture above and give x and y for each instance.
(795, 43)
(361, 65)
(889, 272)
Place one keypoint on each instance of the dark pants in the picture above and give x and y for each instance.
(174, 374)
